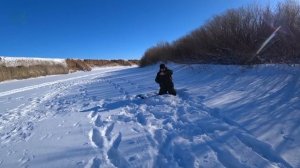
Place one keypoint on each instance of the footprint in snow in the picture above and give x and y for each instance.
(96, 138)
(98, 122)
(135, 130)
(109, 131)
(93, 109)
(95, 162)
(26, 157)
(85, 104)
(287, 138)
(77, 124)
(24, 160)
(132, 158)
(11, 152)
(113, 153)
(81, 163)
(92, 115)
(46, 136)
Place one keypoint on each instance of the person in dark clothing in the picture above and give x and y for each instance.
(164, 79)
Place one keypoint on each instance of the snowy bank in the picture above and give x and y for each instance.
(223, 116)
(26, 67)
(28, 61)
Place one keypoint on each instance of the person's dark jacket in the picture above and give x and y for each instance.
(165, 79)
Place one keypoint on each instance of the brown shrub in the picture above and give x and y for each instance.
(23, 72)
(77, 65)
(97, 63)
(27, 70)
(134, 62)
(100, 63)
(86, 64)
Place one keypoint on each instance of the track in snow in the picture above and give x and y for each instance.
(116, 129)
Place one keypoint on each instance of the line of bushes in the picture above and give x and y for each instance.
(77, 65)
(235, 36)
(87, 64)
(34, 68)
(95, 63)
(23, 72)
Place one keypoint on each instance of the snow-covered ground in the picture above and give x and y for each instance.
(27, 61)
(223, 116)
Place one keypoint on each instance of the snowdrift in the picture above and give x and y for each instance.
(223, 116)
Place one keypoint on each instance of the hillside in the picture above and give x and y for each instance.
(26, 67)
(223, 116)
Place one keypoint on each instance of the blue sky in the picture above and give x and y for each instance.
(100, 29)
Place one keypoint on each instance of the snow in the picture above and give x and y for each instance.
(223, 116)
(27, 61)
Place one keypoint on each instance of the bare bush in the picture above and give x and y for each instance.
(235, 36)
(160, 52)
(87, 64)
(77, 65)
(101, 63)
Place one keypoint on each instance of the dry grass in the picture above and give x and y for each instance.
(23, 72)
(77, 65)
(22, 61)
(22, 69)
(87, 64)
(100, 63)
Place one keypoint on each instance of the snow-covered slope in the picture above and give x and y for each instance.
(223, 116)
(27, 61)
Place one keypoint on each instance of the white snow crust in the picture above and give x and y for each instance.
(223, 116)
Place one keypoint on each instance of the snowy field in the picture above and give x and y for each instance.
(223, 116)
